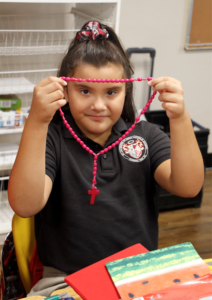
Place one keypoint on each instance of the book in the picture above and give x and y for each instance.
(197, 289)
(166, 268)
(94, 282)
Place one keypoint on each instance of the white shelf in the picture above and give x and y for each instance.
(18, 82)
(10, 130)
(35, 42)
(8, 152)
(6, 215)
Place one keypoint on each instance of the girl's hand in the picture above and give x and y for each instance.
(48, 96)
(171, 96)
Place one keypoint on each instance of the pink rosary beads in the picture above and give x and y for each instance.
(106, 80)
(94, 191)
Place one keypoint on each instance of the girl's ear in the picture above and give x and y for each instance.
(66, 93)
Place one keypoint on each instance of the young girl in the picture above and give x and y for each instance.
(56, 172)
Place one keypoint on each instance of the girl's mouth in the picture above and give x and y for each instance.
(97, 118)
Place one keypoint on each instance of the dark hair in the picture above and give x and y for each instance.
(99, 53)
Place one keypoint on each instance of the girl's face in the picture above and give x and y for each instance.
(96, 107)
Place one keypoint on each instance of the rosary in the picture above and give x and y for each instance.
(94, 191)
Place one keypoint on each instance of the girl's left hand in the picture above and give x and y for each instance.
(171, 96)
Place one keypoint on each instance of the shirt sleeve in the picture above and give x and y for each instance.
(159, 147)
(52, 153)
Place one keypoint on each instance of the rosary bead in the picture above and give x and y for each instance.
(119, 139)
(71, 130)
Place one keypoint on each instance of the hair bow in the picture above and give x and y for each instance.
(93, 32)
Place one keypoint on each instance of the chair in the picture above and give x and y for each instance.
(20, 245)
(24, 240)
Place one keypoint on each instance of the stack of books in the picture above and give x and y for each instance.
(171, 273)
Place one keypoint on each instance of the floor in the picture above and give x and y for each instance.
(191, 224)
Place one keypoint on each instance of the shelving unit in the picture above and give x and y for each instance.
(34, 36)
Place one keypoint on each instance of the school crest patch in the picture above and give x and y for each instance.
(134, 148)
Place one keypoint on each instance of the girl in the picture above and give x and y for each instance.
(52, 174)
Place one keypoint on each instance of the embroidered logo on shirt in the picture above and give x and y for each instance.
(134, 148)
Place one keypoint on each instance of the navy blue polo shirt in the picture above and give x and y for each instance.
(70, 232)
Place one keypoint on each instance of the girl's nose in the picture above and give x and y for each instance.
(98, 104)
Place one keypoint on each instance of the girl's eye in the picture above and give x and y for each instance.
(111, 93)
(85, 92)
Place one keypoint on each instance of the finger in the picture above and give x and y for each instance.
(155, 81)
(55, 96)
(58, 104)
(167, 86)
(51, 79)
(172, 107)
(52, 87)
(170, 97)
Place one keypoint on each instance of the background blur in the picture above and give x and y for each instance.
(163, 25)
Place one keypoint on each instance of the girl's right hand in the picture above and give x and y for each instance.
(48, 96)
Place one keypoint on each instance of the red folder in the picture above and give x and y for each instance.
(94, 281)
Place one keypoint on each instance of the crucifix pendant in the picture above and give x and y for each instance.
(93, 194)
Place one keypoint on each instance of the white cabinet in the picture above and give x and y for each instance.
(34, 36)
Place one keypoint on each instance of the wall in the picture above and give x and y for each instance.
(162, 24)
